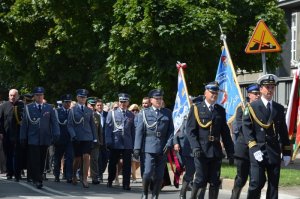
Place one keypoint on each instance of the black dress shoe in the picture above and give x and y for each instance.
(39, 185)
(85, 185)
(109, 184)
(57, 179)
(95, 181)
(126, 187)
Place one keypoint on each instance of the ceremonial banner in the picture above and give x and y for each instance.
(230, 94)
(292, 110)
(182, 103)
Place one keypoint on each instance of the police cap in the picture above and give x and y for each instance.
(212, 86)
(38, 90)
(66, 98)
(123, 97)
(156, 93)
(253, 88)
(82, 92)
(91, 100)
(268, 79)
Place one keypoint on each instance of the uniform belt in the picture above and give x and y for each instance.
(212, 138)
(156, 134)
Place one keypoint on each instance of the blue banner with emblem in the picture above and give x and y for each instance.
(229, 95)
(182, 103)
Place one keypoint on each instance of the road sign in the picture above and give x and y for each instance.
(262, 40)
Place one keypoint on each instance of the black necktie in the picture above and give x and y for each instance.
(211, 108)
(82, 108)
(124, 113)
(269, 109)
(157, 111)
(40, 107)
(67, 112)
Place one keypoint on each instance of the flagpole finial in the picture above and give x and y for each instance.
(223, 36)
(181, 65)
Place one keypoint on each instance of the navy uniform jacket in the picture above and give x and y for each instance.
(240, 148)
(154, 139)
(39, 128)
(122, 137)
(266, 139)
(182, 139)
(81, 124)
(199, 136)
(10, 119)
(62, 119)
(99, 133)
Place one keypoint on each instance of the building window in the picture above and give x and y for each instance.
(294, 39)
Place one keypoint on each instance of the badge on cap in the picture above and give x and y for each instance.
(123, 97)
(82, 92)
(212, 86)
(268, 79)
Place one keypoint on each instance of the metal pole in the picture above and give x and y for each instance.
(263, 57)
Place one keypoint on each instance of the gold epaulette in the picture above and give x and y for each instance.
(251, 144)
(265, 126)
(208, 124)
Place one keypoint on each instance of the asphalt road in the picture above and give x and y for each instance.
(51, 189)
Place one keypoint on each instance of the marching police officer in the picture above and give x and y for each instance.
(39, 128)
(82, 130)
(119, 137)
(241, 151)
(154, 137)
(205, 126)
(266, 134)
(10, 121)
(63, 147)
(183, 147)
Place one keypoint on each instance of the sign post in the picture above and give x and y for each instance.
(262, 41)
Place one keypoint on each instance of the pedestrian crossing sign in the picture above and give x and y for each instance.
(262, 40)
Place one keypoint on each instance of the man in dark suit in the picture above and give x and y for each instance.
(206, 125)
(154, 137)
(241, 151)
(266, 134)
(10, 120)
(63, 147)
(103, 153)
(39, 129)
(119, 137)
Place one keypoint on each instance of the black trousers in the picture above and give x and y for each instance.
(36, 161)
(115, 155)
(13, 155)
(207, 171)
(242, 172)
(258, 171)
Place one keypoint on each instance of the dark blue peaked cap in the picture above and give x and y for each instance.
(212, 86)
(38, 90)
(156, 93)
(123, 97)
(82, 92)
(253, 88)
(66, 98)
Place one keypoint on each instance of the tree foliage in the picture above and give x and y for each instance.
(131, 46)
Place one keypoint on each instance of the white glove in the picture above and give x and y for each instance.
(95, 140)
(258, 155)
(286, 160)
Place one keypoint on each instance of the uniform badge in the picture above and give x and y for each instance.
(34, 119)
(246, 111)
(261, 129)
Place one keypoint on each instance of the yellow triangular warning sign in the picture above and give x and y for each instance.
(262, 40)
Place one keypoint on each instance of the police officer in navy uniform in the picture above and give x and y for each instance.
(154, 137)
(63, 148)
(184, 152)
(206, 125)
(241, 151)
(82, 129)
(10, 121)
(39, 128)
(119, 137)
(266, 134)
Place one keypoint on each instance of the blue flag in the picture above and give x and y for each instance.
(182, 104)
(229, 96)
